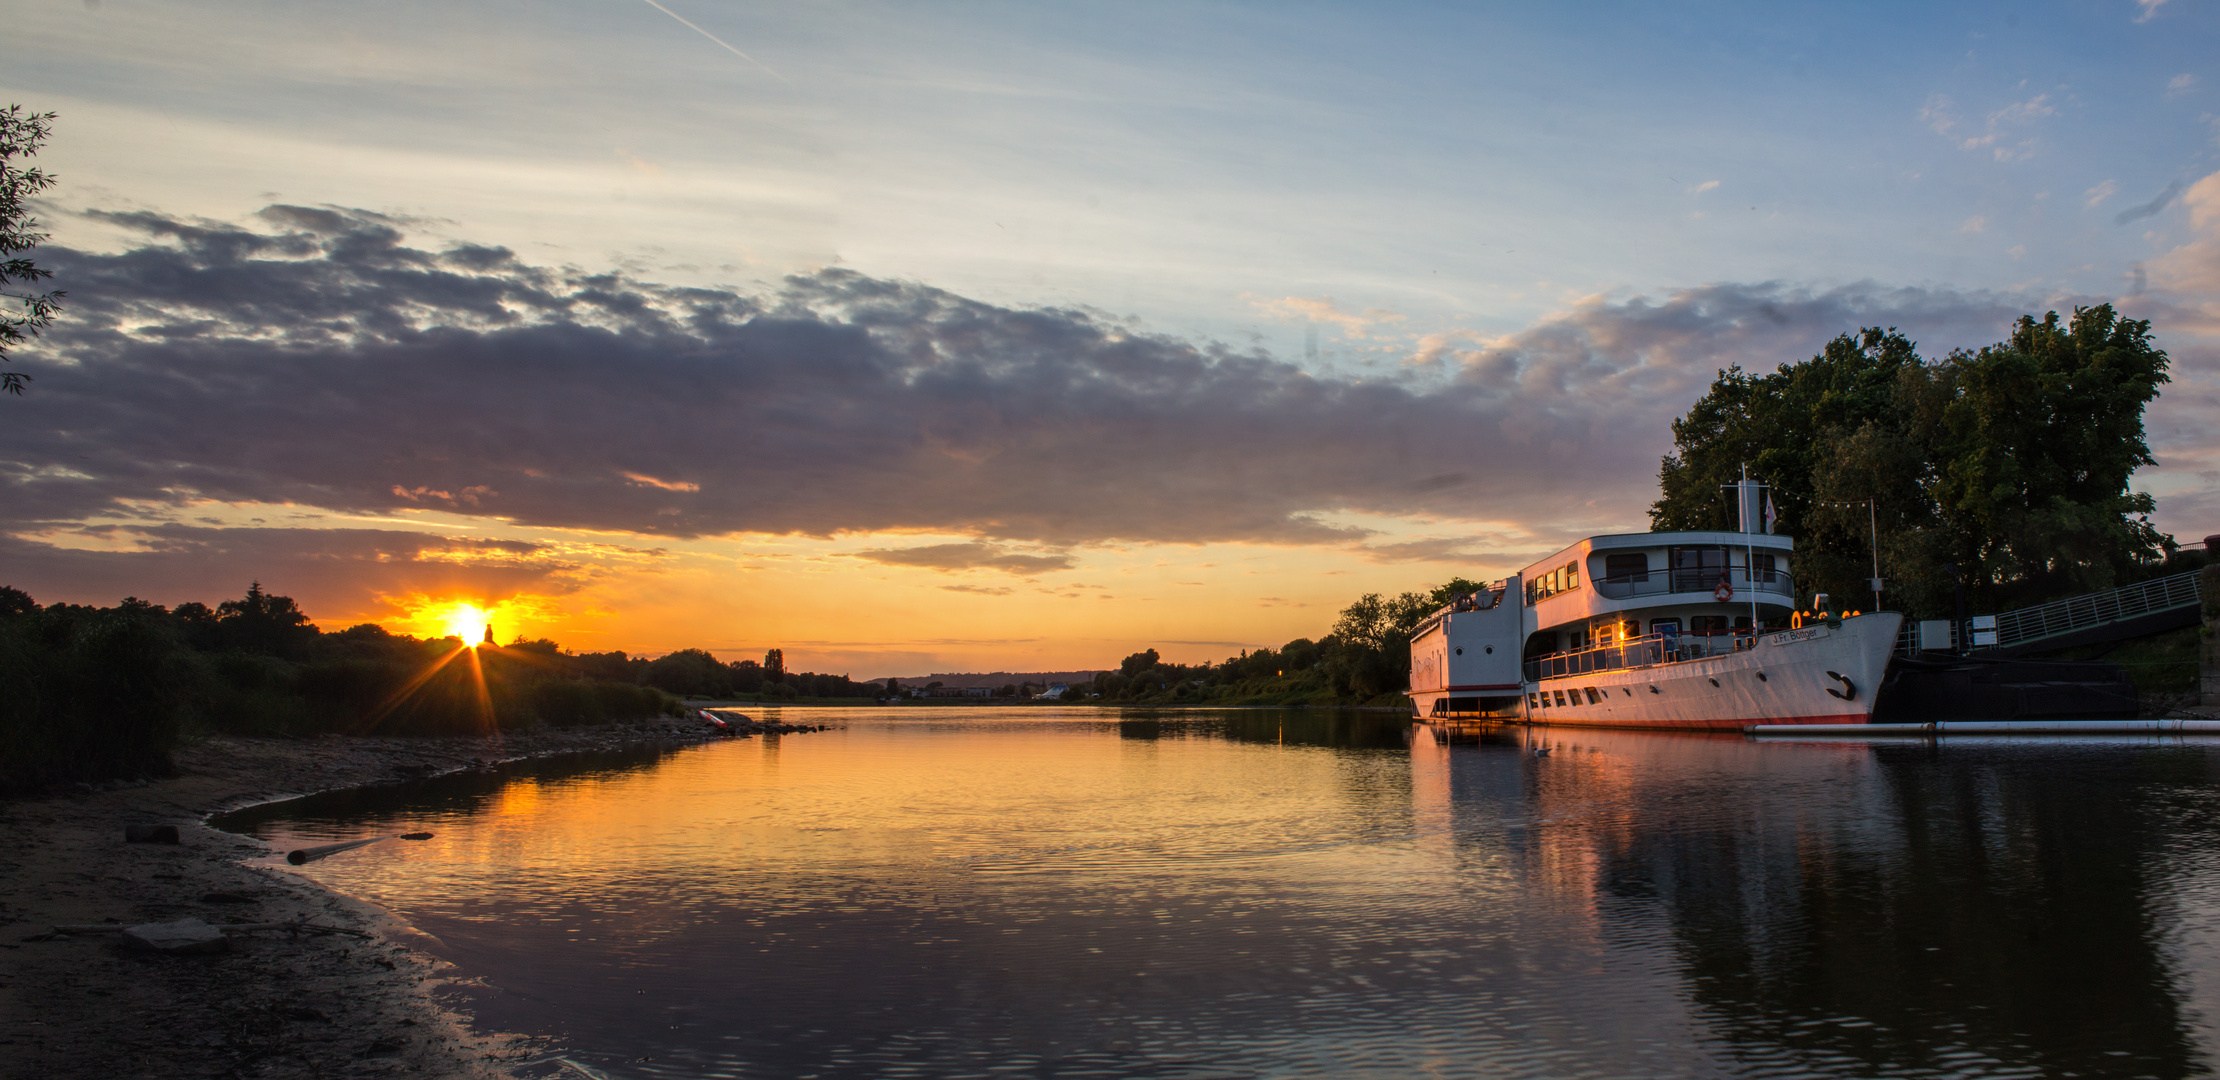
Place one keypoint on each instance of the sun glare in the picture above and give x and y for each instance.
(466, 621)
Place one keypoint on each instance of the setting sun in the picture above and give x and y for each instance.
(466, 621)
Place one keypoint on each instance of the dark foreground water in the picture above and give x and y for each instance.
(1024, 893)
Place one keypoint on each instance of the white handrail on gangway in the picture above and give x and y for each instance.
(2075, 613)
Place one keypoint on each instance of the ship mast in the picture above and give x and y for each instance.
(1749, 553)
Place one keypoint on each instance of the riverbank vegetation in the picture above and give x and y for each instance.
(96, 693)
(1362, 660)
(2006, 468)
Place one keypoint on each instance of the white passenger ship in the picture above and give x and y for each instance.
(1651, 629)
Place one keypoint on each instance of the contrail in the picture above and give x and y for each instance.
(719, 40)
(2151, 208)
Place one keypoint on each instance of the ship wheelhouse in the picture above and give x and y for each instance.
(1686, 593)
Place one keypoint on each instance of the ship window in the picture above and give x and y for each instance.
(1697, 569)
(1742, 622)
(1560, 699)
(1591, 695)
(1762, 567)
(1632, 566)
(1665, 626)
(1632, 629)
(1532, 701)
(1576, 639)
(1708, 624)
(1572, 575)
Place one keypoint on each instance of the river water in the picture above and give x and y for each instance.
(1004, 892)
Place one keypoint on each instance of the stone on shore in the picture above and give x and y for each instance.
(185, 936)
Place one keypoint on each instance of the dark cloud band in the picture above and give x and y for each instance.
(320, 360)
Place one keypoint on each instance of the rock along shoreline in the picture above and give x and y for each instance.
(275, 1004)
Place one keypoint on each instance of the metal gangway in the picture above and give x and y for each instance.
(2150, 607)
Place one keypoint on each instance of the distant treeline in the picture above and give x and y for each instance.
(696, 673)
(93, 692)
(1363, 660)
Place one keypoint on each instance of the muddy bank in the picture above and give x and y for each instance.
(277, 1005)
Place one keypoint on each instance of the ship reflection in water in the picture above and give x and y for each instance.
(956, 892)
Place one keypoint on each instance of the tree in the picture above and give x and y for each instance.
(690, 673)
(774, 666)
(1777, 424)
(2033, 441)
(262, 623)
(14, 601)
(2012, 462)
(1138, 663)
(20, 137)
(1369, 650)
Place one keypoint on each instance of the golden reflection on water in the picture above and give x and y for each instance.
(954, 891)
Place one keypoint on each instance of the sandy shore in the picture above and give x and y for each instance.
(277, 1005)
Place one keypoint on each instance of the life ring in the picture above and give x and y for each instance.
(1724, 591)
(1849, 691)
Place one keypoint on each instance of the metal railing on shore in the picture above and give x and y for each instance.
(2082, 612)
(2075, 613)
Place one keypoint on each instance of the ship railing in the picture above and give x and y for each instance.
(1644, 651)
(1486, 598)
(1663, 582)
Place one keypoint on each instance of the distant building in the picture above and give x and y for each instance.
(959, 691)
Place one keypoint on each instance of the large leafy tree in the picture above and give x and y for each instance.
(28, 310)
(2032, 442)
(1369, 650)
(2011, 462)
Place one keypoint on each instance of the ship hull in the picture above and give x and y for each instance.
(1815, 675)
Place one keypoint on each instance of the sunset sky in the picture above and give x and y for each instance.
(933, 337)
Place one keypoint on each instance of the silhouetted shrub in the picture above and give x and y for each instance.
(88, 694)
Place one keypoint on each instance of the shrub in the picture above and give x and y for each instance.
(90, 694)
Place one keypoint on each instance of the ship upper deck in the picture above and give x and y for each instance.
(1627, 572)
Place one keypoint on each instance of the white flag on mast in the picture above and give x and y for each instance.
(1771, 515)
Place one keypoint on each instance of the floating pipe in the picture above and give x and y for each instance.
(311, 854)
(1999, 727)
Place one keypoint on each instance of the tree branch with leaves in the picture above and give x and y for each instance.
(28, 311)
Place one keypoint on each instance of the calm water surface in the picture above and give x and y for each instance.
(943, 892)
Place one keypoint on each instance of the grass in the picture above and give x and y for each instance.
(2160, 664)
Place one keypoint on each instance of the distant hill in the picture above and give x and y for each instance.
(997, 679)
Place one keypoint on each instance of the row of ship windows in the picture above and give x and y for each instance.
(1563, 579)
(1539, 699)
(1693, 567)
